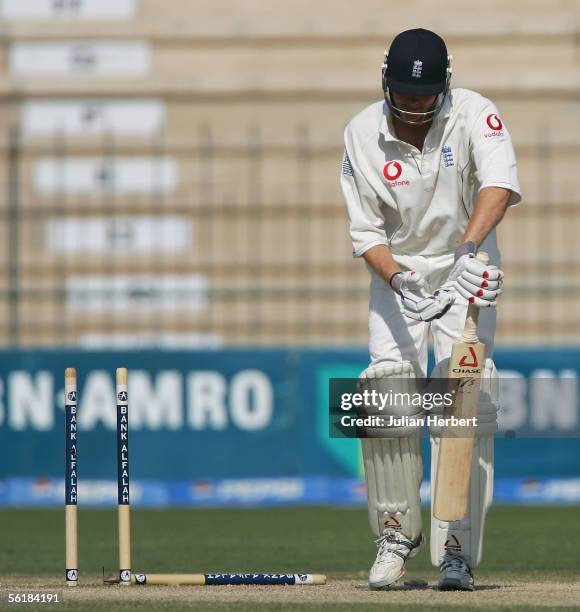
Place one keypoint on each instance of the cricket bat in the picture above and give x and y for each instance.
(456, 445)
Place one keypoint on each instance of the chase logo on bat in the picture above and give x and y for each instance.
(468, 364)
(473, 363)
(466, 370)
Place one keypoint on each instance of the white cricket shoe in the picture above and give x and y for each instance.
(455, 574)
(394, 550)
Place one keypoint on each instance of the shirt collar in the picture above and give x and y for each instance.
(386, 126)
(447, 107)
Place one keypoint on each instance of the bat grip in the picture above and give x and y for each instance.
(470, 329)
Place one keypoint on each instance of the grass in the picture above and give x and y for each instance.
(531, 543)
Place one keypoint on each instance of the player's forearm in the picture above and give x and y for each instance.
(381, 261)
(490, 208)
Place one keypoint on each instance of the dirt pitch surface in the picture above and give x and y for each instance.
(523, 568)
(337, 594)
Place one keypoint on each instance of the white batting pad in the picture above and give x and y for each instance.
(394, 470)
(393, 473)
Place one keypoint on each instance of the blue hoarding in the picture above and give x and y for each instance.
(249, 427)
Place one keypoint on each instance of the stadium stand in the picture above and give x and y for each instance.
(244, 144)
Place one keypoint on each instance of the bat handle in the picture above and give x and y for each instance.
(470, 329)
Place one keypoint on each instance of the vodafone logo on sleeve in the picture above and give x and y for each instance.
(494, 122)
(495, 125)
(392, 171)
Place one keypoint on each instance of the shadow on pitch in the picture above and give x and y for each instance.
(420, 585)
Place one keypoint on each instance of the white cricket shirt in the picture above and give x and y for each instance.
(419, 202)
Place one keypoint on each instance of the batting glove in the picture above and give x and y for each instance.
(477, 282)
(417, 304)
(480, 284)
(420, 306)
(411, 281)
(465, 252)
